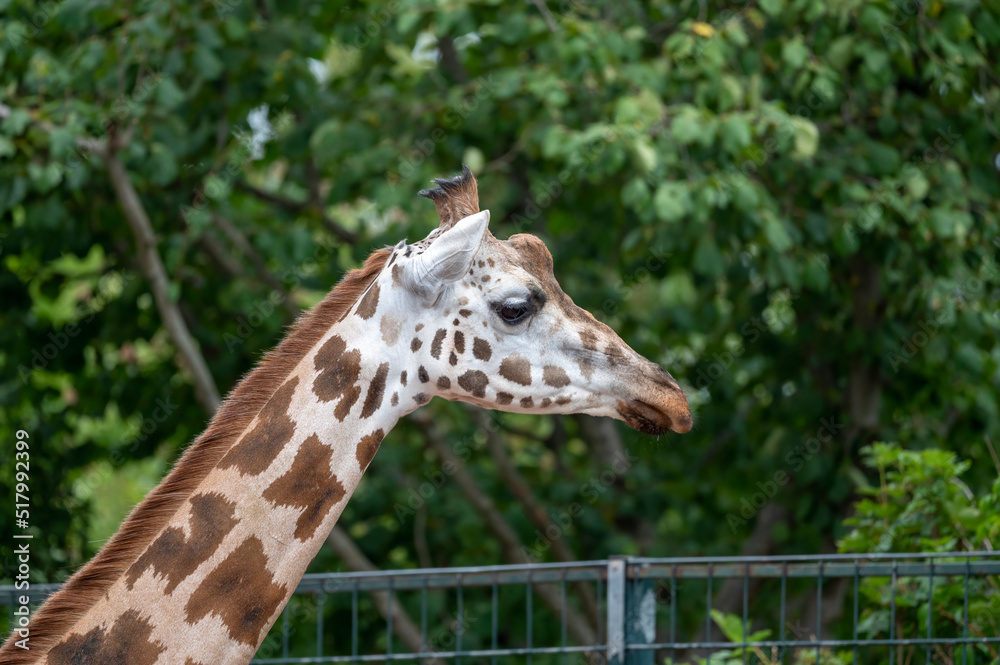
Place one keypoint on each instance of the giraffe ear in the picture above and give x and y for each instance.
(447, 259)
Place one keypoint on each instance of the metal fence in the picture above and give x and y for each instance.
(898, 609)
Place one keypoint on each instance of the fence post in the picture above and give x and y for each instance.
(631, 608)
(640, 618)
(616, 610)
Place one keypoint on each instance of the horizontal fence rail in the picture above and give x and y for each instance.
(897, 609)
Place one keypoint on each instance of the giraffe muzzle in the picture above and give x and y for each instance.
(659, 405)
(654, 420)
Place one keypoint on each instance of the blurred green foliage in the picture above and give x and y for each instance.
(921, 504)
(793, 205)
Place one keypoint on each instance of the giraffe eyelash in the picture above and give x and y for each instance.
(514, 311)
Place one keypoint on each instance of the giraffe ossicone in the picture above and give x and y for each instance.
(201, 569)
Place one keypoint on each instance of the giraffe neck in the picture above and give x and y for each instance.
(203, 567)
(231, 556)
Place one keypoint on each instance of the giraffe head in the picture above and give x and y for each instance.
(484, 321)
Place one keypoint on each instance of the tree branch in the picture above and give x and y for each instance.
(450, 61)
(297, 207)
(546, 14)
(402, 624)
(280, 201)
(510, 544)
(513, 480)
(217, 253)
(152, 266)
(602, 439)
(243, 245)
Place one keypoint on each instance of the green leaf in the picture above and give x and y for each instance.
(15, 122)
(730, 625)
(806, 139)
(168, 94)
(774, 231)
(686, 126)
(45, 176)
(841, 51)
(235, 28)
(6, 147)
(918, 185)
(671, 201)
(795, 53)
(942, 222)
(635, 194)
(707, 259)
(734, 133)
(883, 159)
(206, 63)
(326, 138)
(645, 154)
(62, 141)
(163, 164)
(772, 7)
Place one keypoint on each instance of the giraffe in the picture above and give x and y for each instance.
(202, 567)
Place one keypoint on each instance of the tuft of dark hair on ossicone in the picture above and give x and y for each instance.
(455, 198)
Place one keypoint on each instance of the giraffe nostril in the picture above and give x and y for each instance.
(660, 376)
(682, 423)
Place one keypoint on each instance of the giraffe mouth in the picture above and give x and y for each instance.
(649, 419)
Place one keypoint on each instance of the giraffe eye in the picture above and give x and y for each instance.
(513, 312)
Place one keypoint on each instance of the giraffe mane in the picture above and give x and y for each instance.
(58, 615)
(455, 198)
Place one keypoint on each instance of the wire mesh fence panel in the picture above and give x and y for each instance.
(885, 609)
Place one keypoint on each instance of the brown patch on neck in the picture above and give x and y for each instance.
(310, 485)
(376, 390)
(57, 616)
(369, 304)
(127, 641)
(481, 349)
(339, 370)
(455, 198)
(174, 555)
(273, 431)
(241, 591)
(437, 342)
(368, 447)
